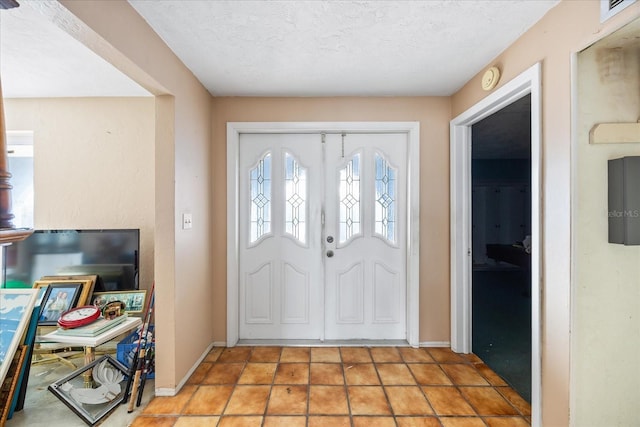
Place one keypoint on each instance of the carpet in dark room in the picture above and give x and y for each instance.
(502, 324)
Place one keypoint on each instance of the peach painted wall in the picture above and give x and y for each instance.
(565, 30)
(88, 171)
(184, 295)
(432, 113)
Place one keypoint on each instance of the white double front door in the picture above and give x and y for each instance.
(322, 229)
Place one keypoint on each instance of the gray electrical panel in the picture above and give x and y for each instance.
(624, 200)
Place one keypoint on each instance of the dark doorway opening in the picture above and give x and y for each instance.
(501, 222)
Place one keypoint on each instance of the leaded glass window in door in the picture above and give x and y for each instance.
(349, 199)
(385, 199)
(295, 181)
(260, 199)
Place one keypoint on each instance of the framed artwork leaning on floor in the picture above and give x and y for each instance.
(16, 307)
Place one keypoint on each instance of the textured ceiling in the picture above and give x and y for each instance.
(38, 59)
(281, 48)
(320, 48)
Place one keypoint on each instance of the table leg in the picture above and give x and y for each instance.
(89, 356)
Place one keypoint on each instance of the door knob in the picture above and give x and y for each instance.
(329, 254)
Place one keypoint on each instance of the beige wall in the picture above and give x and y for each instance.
(184, 295)
(606, 294)
(566, 29)
(89, 164)
(432, 113)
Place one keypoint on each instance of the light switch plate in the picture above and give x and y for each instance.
(187, 221)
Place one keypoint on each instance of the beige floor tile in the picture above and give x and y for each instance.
(214, 354)
(196, 421)
(493, 378)
(326, 374)
(200, 373)
(329, 421)
(395, 374)
(516, 400)
(258, 373)
(385, 355)
(368, 400)
(292, 373)
(418, 422)
(325, 355)
(327, 400)
(462, 422)
(153, 421)
(223, 373)
(288, 421)
(447, 401)
(266, 354)
(361, 374)
(429, 374)
(487, 401)
(170, 405)
(408, 400)
(248, 400)
(235, 355)
(288, 400)
(209, 400)
(445, 355)
(360, 421)
(295, 354)
(355, 355)
(463, 374)
(305, 387)
(472, 358)
(415, 355)
(240, 421)
(506, 422)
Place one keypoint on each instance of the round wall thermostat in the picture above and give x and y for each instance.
(490, 78)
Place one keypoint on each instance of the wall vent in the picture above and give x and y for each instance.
(608, 8)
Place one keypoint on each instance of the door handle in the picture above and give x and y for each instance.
(329, 254)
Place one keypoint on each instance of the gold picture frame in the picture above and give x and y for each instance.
(85, 293)
(92, 277)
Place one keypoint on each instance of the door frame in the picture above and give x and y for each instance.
(461, 239)
(412, 129)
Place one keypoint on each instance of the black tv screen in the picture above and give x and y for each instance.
(111, 254)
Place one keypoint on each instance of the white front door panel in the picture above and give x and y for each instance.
(280, 236)
(365, 236)
(323, 236)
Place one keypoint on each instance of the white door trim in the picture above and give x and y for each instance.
(234, 129)
(460, 170)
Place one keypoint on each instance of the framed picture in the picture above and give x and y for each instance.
(75, 278)
(87, 282)
(58, 298)
(133, 300)
(93, 390)
(16, 307)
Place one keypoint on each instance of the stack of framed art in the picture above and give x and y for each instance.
(16, 311)
(52, 303)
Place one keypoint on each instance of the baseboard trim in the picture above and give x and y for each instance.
(326, 343)
(170, 392)
(435, 344)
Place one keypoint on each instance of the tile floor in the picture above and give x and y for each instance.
(335, 387)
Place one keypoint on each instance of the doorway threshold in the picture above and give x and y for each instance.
(325, 343)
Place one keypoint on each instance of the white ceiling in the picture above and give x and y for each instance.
(281, 48)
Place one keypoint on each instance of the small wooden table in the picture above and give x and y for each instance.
(90, 343)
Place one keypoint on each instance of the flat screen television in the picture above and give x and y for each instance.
(111, 254)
